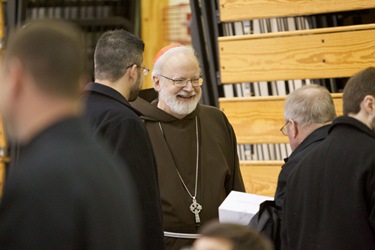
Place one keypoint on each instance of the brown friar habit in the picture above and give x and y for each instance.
(218, 171)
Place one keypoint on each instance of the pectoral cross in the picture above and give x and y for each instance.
(196, 208)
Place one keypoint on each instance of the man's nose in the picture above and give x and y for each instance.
(189, 86)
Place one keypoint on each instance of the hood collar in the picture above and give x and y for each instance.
(109, 92)
(347, 120)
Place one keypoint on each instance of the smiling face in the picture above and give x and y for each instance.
(178, 101)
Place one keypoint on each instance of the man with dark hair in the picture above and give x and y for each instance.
(329, 198)
(118, 78)
(63, 190)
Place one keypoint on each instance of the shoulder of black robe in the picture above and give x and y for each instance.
(118, 123)
(67, 191)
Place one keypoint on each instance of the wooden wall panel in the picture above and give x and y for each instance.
(319, 53)
(152, 33)
(261, 177)
(303, 54)
(257, 120)
(251, 9)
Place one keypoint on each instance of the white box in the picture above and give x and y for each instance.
(240, 207)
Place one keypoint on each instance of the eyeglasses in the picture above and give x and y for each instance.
(145, 70)
(183, 82)
(284, 129)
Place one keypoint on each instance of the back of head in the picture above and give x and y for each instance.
(358, 86)
(115, 51)
(241, 237)
(52, 52)
(310, 104)
(171, 51)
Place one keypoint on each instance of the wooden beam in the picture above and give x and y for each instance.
(236, 10)
(260, 177)
(3, 156)
(257, 120)
(152, 33)
(308, 54)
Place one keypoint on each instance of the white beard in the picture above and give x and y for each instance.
(180, 107)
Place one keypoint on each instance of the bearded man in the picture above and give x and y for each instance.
(194, 146)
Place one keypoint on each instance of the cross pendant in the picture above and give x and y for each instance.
(196, 208)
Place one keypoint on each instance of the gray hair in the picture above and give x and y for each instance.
(310, 104)
(158, 66)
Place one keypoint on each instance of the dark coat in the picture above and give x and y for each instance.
(113, 119)
(64, 191)
(306, 146)
(330, 196)
(218, 173)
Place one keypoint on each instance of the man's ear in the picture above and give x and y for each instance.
(156, 83)
(293, 129)
(133, 72)
(368, 104)
(16, 77)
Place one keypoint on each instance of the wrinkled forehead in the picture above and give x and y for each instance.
(180, 63)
